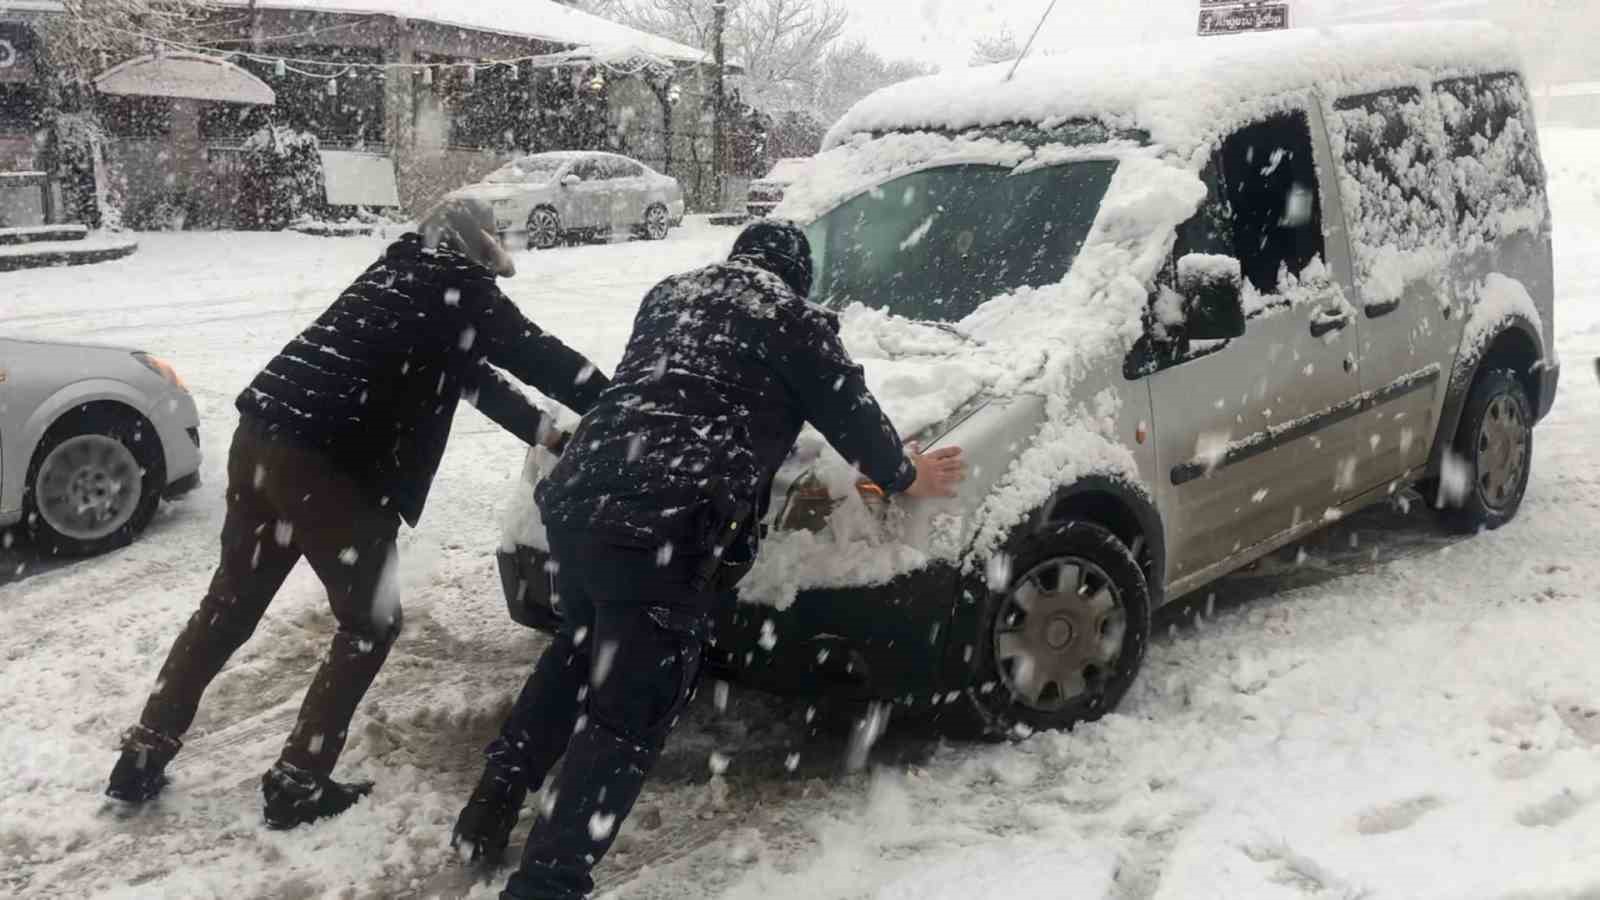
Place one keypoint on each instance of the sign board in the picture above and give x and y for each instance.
(1238, 19)
(16, 57)
(359, 179)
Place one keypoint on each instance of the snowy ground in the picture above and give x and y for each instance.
(1394, 713)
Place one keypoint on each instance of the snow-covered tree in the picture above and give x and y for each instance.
(853, 70)
(1001, 46)
(779, 45)
(94, 34)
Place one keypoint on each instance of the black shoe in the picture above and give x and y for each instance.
(139, 774)
(486, 821)
(296, 797)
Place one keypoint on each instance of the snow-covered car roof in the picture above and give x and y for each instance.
(785, 171)
(1183, 92)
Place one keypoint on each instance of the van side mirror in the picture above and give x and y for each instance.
(572, 180)
(1211, 287)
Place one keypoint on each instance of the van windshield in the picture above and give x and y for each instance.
(936, 244)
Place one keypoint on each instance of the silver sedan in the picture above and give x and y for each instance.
(91, 439)
(554, 197)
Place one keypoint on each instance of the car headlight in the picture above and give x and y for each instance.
(163, 368)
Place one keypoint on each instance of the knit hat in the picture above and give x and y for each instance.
(779, 247)
(467, 225)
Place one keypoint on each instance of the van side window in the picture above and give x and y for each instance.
(1269, 183)
(1393, 194)
(1209, 232)
(1494, 163)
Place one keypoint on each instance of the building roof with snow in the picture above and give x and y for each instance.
(8, 7)
(543, 20)
(1183, 92)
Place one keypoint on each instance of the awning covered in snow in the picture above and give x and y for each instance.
(186, 76)
(543, 20)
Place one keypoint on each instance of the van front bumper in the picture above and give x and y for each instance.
(880, 642)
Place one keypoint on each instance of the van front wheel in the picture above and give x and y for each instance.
(1064, 640)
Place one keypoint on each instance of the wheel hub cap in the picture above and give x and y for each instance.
(1059, 633)
(88, 487)
(1502, 451)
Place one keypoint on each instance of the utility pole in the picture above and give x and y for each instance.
(255, 27)
(719, 23)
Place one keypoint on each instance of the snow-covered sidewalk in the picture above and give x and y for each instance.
(1395, 714)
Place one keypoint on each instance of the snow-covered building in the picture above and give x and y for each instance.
(25, 194)
(441, 91)
(446, 125)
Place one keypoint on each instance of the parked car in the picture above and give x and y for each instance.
(1177, 323)
(91, 439)
(766, 193)
(555, 197)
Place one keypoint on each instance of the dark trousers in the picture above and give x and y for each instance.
(605, 694)
(285, 502)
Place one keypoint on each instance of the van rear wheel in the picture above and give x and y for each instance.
(1486, 475)
(1065, 638)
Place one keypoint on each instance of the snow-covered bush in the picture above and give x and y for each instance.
(93, 199)
(282, 180)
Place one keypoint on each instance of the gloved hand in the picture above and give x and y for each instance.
(556, 440)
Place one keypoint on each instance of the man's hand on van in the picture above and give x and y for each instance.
(939, 472)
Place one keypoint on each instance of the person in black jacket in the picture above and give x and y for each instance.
(654, 509)
(339, 440)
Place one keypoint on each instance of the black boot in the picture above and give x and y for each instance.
(486, 821)
(296, 797)
(139, 774)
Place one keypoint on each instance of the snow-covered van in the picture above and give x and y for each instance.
(1182, 305)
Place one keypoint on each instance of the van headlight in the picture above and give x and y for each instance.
(810, 505)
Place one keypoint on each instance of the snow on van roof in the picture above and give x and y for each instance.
(1183, 92)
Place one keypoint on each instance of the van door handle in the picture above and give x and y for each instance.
(1329, 320)
(1375, 310)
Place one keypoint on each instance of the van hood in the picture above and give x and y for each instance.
(924, 374)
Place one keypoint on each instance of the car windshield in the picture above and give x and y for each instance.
(528, 170)
(935, 245)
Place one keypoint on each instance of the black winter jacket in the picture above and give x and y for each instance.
(374, 382)
(724, 368)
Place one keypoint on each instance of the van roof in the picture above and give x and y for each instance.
(1184, 92)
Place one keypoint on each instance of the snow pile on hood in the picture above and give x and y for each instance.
(1182, 92)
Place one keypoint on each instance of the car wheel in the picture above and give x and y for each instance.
(544, 229)
(94, 483)
(1486, 475)
(1063, 641)
(657, 223)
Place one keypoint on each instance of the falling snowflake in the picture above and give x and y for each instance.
(601, 825)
